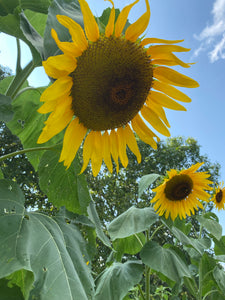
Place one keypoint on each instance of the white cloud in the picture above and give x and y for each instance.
(212, 37)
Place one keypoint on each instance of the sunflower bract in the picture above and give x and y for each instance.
(108, 86)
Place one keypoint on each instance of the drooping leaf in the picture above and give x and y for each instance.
(145, 182)
(10, 24)
(40, 6)
(219, 276)
(165, 261)
(31, 34)
(37, 20)
(63, 187)
(6, 112)
(132, 221)
(116, 280)
(53, 249)
(8, 7)
(211, 225)
(130, 245)
(70, 8)
(93, 215)
(27, 123)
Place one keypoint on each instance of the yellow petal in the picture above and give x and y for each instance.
(73, 137)
(59, 66)
(158, 110)
(110, 26)
(148, 41)
(165, 101)
(137, 28)
(157, 50)
(192, 169)
(122, 147)
(87, 150)
(131, 142)
(96, 157)
(107, 151)
(152, 118)
(144, 133)
(122, 18)
(114, 148)
(57, 120)
(58, 89)
(66, 47)
(169, 59)
(75, 30)
(173, 77)
(90, 25)
(170, 91)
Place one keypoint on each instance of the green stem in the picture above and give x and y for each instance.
(27, 89)
(210, 292)
(147, 282)
(25, 151)
(19, 79)
(141, 292)
(18, 65)
(157, 229)
(201, 226)
(200, 280)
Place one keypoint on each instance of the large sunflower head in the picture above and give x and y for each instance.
(219, 196)
(182, 192)
(108, 86)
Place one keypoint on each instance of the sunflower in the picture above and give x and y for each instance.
(219, 196)
(110, 85)
(179, 194)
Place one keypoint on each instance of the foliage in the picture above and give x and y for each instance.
(51, 227)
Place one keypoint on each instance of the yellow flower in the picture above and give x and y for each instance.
(179, 194)
(108, 86)
(219, 196)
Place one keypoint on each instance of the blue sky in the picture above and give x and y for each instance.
(201, 24)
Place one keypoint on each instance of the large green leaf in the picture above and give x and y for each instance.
(8, 6)
(69, 8)
(63, 187)
(27, 123)
(37, 20)
(6, 112)
(132, 221)
(145, 182)
(211, 225)
(117, 280)
(9, 293)
(219, 247)
(165, 261)
(93, 215)
(53, 249)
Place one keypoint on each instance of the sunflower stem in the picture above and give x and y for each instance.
(156, 230)
(4, 157)
(201, 226)
(200, 280)
(141, 292)
(147, 271)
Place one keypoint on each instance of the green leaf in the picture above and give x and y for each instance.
(219, 276)
(40, 6)
(132, 221)
(117, 280)
(37, 20)
(53, 249)
(200, 245)
(1, 174)
(211, 225)
(10, 24)
(27, 123)
(8, 6)
(63, 187)
(70, 8)
(4, 83)
(24, 280)
(219, 247)
(93, 215)
(165, 261)
(130, 245)
(9, 293)
(6, 112)
(145, 182)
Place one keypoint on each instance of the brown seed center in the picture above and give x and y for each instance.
(178, 187)
(219, 196)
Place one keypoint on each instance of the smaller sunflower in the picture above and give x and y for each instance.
(181, 192)
(219, 196)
